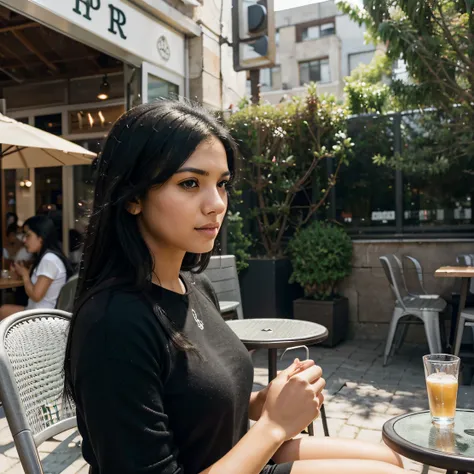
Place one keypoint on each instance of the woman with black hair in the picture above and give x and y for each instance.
(50, 269)
(161, 384)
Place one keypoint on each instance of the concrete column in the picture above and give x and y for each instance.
(68, 205)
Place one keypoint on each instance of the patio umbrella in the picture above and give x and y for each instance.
(23, 146)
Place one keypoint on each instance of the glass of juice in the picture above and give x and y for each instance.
(441, 373)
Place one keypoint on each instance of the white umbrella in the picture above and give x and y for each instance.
(23, 146)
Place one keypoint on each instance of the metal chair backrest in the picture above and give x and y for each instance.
(415, 287)
(222, 271)
(67, 294)
(32, 348)
(465, 259)
(393, 271)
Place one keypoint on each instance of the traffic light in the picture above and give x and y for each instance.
(253, 31)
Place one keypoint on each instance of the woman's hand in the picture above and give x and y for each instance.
(21, 270)
(294, 398)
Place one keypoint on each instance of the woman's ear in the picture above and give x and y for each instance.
(134, 207)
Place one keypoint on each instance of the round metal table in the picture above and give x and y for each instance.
(274, 334)
(416, 437)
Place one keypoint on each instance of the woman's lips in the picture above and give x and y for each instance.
(209, 232)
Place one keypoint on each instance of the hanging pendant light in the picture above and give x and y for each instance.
(104, 89)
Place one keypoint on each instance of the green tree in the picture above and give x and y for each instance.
(365, 90)
(435, 39)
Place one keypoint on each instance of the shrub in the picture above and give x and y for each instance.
(321, 255)
(286, 150)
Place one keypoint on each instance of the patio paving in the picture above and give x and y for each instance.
(361, 395)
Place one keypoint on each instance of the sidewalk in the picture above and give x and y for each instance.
(361, 395)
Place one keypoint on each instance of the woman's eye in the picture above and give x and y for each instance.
(224, 184)
(189, 184)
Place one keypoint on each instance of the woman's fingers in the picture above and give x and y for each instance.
(318, 386)
(320, 399)
(311, 374)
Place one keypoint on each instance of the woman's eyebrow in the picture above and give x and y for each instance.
(199, 171)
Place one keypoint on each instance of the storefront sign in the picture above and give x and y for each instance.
(117, 18)
(126, 26)
(383, 216)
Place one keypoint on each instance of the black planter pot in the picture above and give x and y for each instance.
(334, 315)
(265, 290)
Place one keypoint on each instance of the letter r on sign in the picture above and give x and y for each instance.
(117, 19)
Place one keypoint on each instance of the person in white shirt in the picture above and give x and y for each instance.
(50, 270)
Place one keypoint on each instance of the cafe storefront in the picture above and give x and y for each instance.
(76, 66)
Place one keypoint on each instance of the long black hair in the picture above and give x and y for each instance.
(144, 148)
(44, 227)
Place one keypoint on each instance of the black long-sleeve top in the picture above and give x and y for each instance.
(142, 405)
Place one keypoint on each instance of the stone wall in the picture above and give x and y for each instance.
(370, 297)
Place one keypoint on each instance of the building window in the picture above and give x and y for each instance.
(313, 32)
(277, 37)
(50, 123)
(88, 121)
(310, 33)
(315, 71)
(356, 59)
(270, 79)
(159, 88)
(328, 29)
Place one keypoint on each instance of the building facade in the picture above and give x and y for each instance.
(57, 56)
(315, 43)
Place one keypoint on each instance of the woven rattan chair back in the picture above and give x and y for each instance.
(32, 347)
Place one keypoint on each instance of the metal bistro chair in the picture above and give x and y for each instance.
(222, 271)
(67, 294)
(406, 305)
(416, 288)
(419, 289)
(32, 347)
(467, 315)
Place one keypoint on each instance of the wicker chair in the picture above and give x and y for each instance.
(32, 346)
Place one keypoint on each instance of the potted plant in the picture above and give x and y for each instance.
(286, 150)
(321, 256)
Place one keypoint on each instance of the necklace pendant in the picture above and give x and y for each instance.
(198, 321)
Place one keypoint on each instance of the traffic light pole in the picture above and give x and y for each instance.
(255, 85)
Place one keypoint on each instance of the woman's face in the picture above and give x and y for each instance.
(33, 242)
(185, 213)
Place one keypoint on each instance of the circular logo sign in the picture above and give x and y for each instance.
(163, 47)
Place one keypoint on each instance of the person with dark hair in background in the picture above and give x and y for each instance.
(13, 246)
(50, 269)
(162, 385)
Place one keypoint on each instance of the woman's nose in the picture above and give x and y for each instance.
(216, 202)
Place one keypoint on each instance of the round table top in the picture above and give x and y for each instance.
(6, 283)
(277, 333)
(416, 437)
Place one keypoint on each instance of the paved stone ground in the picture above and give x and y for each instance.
(361, 395)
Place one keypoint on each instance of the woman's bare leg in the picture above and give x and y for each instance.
(9, 309)
(345, 466)
(312, 448)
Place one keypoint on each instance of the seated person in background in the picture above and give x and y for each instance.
(14, 250)
(50, 270)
